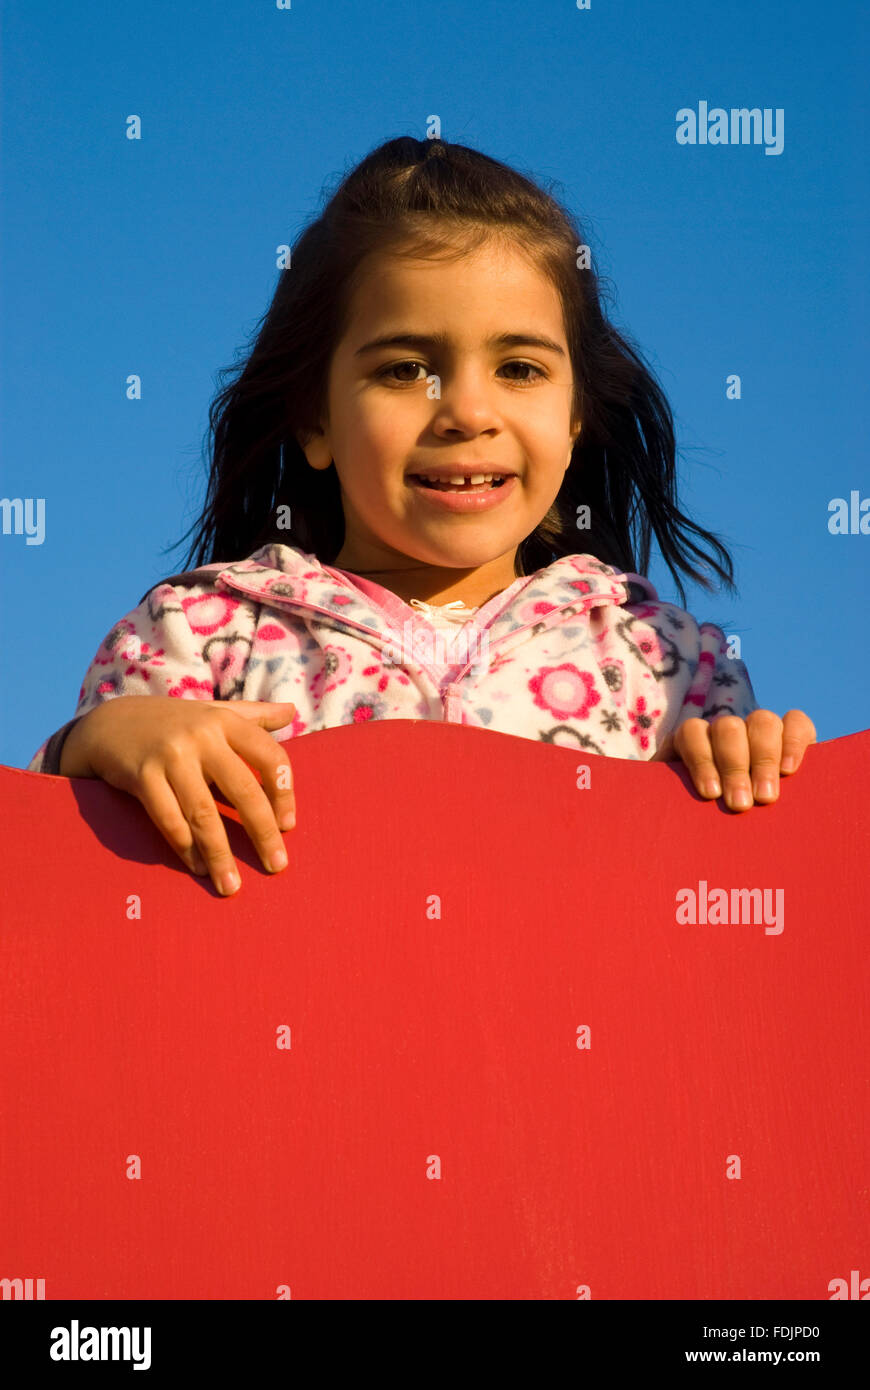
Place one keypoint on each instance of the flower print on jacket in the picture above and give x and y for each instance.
(579, 654)
(565, 691)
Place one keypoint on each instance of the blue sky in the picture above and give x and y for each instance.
(158, 257)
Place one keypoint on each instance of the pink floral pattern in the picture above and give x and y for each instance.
(578, 654)
(566, 692)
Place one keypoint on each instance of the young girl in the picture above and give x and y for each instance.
(429, 483)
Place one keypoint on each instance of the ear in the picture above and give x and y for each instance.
(316, 448)
(575, 435)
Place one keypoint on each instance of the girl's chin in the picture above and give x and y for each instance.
(452, 557)
(442, 541)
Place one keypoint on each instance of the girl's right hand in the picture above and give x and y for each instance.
(166, 752)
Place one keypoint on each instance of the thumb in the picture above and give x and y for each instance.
(270, 714)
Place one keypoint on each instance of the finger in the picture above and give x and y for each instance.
(729, 739)
(185, 776)
(262, 753)
(271, 714)
(161, 805)
(230, 771)
(764, 730)
(798, 732)
(691, 744)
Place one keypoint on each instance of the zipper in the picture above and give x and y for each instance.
(451, 694)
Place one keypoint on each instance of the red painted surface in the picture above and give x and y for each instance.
(415, 1035)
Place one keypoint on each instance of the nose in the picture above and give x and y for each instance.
(466, 402)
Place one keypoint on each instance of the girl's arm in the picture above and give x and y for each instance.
(155, 649)
(187, 647)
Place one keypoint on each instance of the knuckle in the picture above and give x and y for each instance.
(201, 815)
(704, 774)
(266, 836)
(727, 724)
(765, 762)
(176, 748)
(177, 832)
(149, 772)
(244, 772)
(704, 764)
(729, 761)
(764, 720)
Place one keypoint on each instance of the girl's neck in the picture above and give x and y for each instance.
(431, 584)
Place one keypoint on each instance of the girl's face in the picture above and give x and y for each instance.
(492, 405)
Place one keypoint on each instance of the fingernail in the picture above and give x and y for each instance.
(278, 860)
(287, 821)
(229, 883)
(789, 763)
(742, 797)
(765, 788)
(712, 789)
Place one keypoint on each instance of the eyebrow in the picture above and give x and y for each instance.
(439, 340)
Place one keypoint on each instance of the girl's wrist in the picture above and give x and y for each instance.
(74, 761)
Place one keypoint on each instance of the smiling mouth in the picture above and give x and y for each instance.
(464, 486)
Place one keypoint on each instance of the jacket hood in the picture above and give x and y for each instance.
(283, 577)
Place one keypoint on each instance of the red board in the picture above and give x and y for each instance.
(455, 909)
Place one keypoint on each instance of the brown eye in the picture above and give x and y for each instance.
(398, 366)
(389, 372)
(529, 366)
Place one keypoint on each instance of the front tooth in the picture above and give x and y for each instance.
(474, 480)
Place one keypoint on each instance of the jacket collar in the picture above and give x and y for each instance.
(284, 577)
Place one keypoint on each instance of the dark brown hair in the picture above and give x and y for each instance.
(431, 198)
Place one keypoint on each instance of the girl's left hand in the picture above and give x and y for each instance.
(762, 744)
